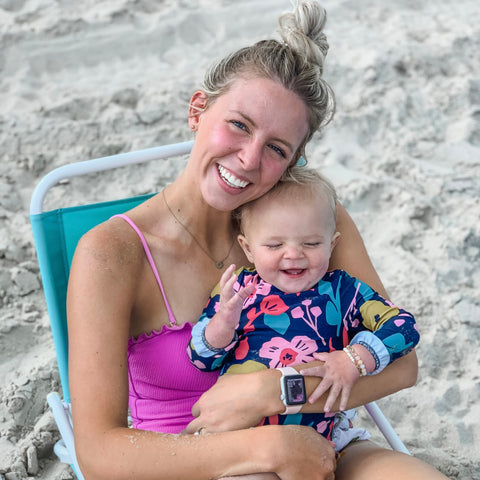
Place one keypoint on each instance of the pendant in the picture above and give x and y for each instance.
(219, 264)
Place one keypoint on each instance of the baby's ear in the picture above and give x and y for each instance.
(335, 239)
(242, 240)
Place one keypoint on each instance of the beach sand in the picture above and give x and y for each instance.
(80, 80)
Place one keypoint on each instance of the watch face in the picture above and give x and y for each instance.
(295, 390)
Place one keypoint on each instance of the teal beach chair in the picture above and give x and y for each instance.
(56, 233)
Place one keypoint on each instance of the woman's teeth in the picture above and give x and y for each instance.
(231, 179)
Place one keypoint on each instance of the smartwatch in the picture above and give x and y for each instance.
(293, 395)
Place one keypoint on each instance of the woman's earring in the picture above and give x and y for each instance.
(301, 162)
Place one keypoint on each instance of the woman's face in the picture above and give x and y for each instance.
(245, 140)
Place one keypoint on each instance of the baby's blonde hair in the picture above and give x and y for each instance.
(296, 179)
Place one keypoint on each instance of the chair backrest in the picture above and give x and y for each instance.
(57, 232)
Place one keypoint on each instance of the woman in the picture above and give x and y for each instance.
(139, 282)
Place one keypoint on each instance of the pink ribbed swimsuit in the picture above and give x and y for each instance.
(163, 384)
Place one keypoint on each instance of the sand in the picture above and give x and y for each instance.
(79, 80)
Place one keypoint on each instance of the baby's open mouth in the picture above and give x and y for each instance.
(294, 271)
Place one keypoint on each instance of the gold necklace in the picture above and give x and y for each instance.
(218, 263)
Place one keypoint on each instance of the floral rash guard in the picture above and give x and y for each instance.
(278, 329)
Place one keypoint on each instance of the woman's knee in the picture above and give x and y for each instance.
(365, 460)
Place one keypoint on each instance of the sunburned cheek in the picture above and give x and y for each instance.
(223, 138)
(274, 170)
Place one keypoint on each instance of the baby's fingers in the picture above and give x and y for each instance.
(314, 371)
(227, 276)
(332, 397)
(344, 398)
(319, 391)
(246, 291)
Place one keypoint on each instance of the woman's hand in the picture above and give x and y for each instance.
(237, 401)
(302, 453)
(287, 452)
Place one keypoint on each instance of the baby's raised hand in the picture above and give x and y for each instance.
(338, 374)
(231, 302)
(221, 328)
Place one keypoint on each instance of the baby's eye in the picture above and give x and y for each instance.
(312, 244)
(278, 150)
(273, 246)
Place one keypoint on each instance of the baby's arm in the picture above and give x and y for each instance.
(214, 335)
(386, 333)
(220, 330)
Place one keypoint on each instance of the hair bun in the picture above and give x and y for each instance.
(302, 30)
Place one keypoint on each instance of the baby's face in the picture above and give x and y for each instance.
(290, 241)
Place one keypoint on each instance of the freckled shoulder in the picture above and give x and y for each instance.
(111, 246)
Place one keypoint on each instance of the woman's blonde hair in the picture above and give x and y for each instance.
(296, 61)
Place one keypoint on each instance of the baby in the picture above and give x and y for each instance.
(289, 309)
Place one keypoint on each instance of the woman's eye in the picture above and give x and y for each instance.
(239, 125)
(278, 150)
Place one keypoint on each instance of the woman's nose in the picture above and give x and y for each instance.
(251, 155)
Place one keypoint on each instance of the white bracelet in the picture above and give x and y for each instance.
(356, 360)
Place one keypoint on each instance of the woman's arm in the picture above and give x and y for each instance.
(101, 297)
(241, 401)
(351, 255)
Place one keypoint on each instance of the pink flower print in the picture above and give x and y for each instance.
(312, 315)
(249, 300)
(263, 288)
(355, 323)
(283, 353)
(246, 281)
(297, 312)
(322, 426)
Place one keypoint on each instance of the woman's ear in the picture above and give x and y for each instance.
(242, 240)
(197, 105)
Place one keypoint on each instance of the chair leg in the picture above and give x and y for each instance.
(65, 448)
(386, 428)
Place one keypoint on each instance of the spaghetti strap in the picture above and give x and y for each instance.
(171, 316)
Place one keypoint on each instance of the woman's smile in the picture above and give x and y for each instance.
(230, 179)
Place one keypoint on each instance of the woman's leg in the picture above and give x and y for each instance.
(365, 460)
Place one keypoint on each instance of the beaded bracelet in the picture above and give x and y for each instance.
(356, 360)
